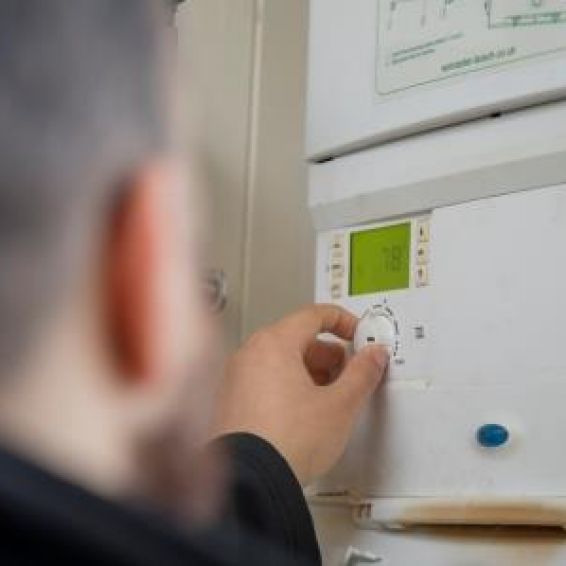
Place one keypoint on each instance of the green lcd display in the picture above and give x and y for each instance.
(380, 259)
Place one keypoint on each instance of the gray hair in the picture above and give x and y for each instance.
(81, 105)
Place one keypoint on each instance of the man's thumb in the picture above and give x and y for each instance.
(363, 373)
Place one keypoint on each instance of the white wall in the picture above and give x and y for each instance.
(216, 41)
(281, 244)
(248, 61)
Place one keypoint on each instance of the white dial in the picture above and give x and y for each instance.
(375, 327)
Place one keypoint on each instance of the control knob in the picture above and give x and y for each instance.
(376, 327)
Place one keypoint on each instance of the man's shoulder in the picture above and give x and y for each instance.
(44, 517)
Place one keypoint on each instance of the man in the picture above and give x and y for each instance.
(103, 333)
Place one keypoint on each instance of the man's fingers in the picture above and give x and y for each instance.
(323, 360)
(363, 373)
(322, 355)
(303, 326)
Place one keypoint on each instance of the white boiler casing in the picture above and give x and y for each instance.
(441, 216)
(384, 69)
(477, 303)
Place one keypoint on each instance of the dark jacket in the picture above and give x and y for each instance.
(44, 519)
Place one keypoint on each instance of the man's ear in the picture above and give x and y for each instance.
(136, 256)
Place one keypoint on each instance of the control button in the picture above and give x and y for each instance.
(337, 242)
(423, 230)
(422, 278)
(336, 291)
(337, 270)
(375, 328)
(492, 435)
(337, 254)
(422, 254)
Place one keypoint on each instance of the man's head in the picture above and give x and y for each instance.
(98, 286)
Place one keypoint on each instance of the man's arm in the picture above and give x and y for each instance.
(267, 499)
(285, 413)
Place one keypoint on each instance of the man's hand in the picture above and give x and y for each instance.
(298, 392)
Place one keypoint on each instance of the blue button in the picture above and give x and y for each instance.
(492, 435)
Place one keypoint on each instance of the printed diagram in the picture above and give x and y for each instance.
(424, 41)
(515, 13)
(396, 5)
(500, 13)
(419, 9)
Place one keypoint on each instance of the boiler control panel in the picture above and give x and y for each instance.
(469, 299)
(383, 272)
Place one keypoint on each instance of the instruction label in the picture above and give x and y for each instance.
(425, 41)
